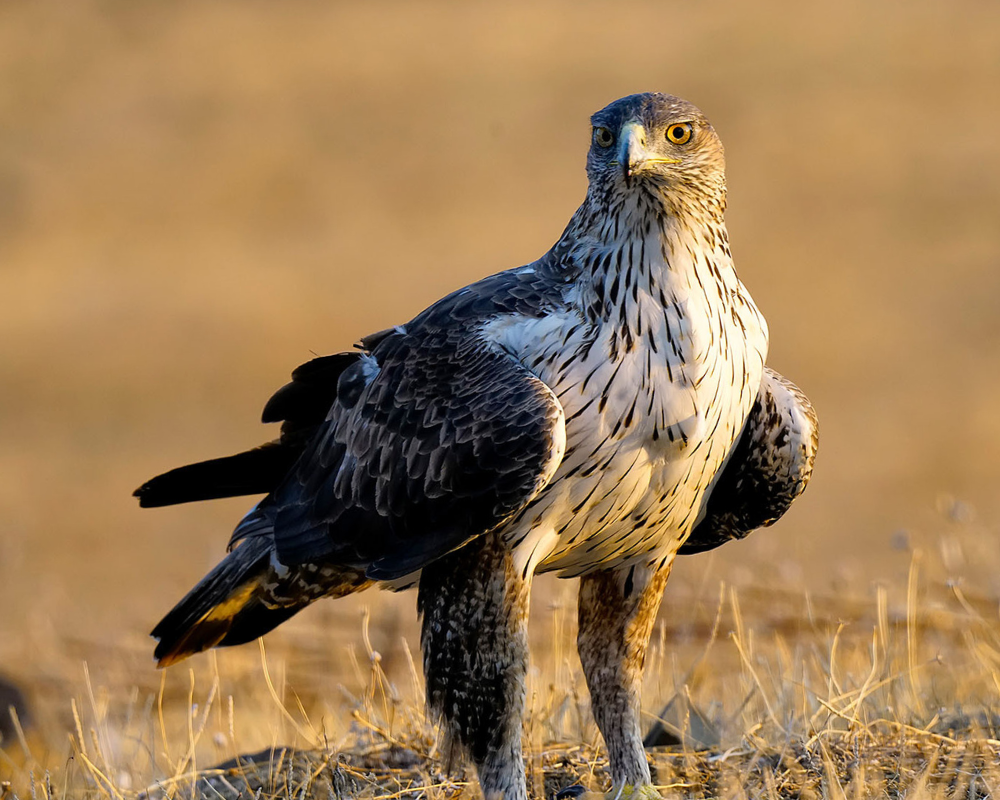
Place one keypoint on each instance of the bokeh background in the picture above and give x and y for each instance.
(197, 197)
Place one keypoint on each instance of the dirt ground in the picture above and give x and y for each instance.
(195, 198)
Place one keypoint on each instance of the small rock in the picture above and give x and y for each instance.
(681, 722)
(900, 540)
(11, 697)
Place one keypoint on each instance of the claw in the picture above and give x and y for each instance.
(642, 792)
(626, 792)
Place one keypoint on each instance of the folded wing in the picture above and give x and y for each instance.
(433, 438)
(769, 467)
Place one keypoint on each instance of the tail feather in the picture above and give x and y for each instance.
(176, 643)
(242, 598)
(236, 621)
(207, 613)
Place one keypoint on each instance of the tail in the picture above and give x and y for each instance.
(243, 598)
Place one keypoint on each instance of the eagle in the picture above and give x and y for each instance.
(594, 413)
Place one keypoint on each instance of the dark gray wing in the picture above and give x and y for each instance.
(434, 437)
(301, 405)
(769, 467)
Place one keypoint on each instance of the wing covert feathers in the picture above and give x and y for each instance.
(435, 438)
(770, 466)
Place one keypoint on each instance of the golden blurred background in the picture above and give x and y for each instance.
(197, 197)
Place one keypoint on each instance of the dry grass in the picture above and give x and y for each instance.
(769, 694)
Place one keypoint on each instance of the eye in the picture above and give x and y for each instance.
(679, 133)
(604, 137)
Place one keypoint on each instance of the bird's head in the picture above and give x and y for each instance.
(659, 142)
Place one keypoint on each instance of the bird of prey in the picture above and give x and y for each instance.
(593, 413)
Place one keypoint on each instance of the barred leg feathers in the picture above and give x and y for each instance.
(243, 598)
(617, 609)
(474, 606)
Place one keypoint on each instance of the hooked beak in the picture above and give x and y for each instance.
(633, 157)
(632, 152)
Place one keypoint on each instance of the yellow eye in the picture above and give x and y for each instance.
(604, 137)
(679, 133)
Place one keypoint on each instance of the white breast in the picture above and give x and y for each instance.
(647, 429)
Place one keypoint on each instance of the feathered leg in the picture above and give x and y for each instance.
(474, 637)
(617, 609)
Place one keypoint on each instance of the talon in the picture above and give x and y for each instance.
(632, 792)
(626, 792)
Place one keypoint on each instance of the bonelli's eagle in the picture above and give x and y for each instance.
(593, 413)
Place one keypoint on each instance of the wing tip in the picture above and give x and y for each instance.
(145, 494)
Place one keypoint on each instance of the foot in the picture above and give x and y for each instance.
(643, 791)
